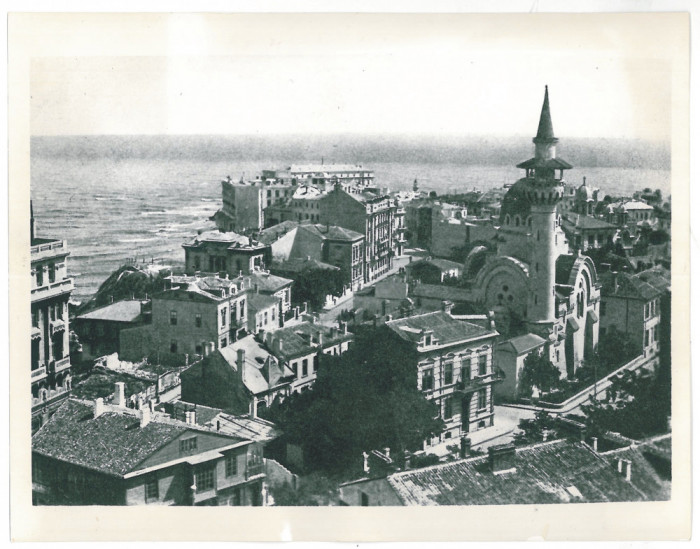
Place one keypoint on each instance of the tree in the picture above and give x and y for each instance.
(313, 490)
(615, 348)
(637, 405)
(538, 371)
(313, 285)
(365, 399)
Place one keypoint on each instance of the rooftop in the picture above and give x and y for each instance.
(627, 286)
(261, 371)
(298, 264)
(440, 291)
(262, 301)
(327, 168)
(332, 232)
(442, 264)
(303, 338)
(234, 240)
(446, 329)
(113, 443)
(524, 343)
(553, 472)
(267, 282)
(121, 311)
(586, 222)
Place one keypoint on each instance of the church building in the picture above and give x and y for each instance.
(528, 276)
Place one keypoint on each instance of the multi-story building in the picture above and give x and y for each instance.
(196, 315)
(585, 232)
(264, 313)
(630, 213)
(215, 252)
(632, 306)
(454, 367)
(329, 244)
(369, 214)
(262, 282)
(50, 291)
(299, 348)
(326, 176)
(244, 202)
(586, 199)
(92, 453)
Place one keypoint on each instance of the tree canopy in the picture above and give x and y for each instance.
(363, 400)
(313, 285)
(538, 371)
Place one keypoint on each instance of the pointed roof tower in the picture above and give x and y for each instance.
(545, 132)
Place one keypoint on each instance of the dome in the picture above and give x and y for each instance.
(588, 192)
(515, 202)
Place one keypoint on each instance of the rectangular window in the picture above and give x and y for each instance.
(223, 317)
(198, 320)
(236, 499)
(173, 346)
(265, 317)
(152, 489)
(231, 465)
(40, 276)
(427, 380)
(52, 273)
(482, 399)
(364, 499)
(205, 480)
(173, 318)
(188, 445)
(448, 373)
(482, 365)
(223, 342)
(466, 369)
(447, 412)
(304, 367)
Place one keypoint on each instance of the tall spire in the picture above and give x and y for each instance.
(545, 132)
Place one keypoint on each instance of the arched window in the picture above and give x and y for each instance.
(517, 221)
(507, 220)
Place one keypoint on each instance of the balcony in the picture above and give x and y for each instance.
(48, 248)
(52, 290)
(62, 364)
(39, 372)
(470, 385)
(254, 469)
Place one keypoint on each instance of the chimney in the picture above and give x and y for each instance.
(98, 407)
(628, 470)
(320, 339)
(465, 446)
(343, 327)
(447, 306)
(253, 409)
(144, 416)
(365, 462)
(406, 460)
(594, 443)
(296, 313)
(240, 363)
(492, 320)
(119, 398)
(387, 453)
(334, 332)
(306, 307)
(615, 281)
(389, 318)
(502, 458)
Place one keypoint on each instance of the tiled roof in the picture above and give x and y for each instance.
(298, 264)
(446, 329)
(255, 429)
(332, 232)
(267, 282)
(552, 472)
(262, 301)
(113, 443)
(440, 291)
(296, 340)
(274, 233)
(628, 286)
(442, 264)
(524, 343)
(261, 371)
(121, 311)
(217, 236)
(658, 277)
(587, 222)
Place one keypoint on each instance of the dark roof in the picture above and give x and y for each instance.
(268, 282)
(551, 163)
(524, 343)
(296, 339)
(332, 232)
(658, 277)
(553, 472)
(442, 264)
(261, 301)
(545, 131)
(440, 291)
(121, 311)
(298, 264)
(587, 222)
(445, 328)
(628, 286)
(112, 443)
(515, 201)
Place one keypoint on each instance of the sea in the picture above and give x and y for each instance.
(118, 199)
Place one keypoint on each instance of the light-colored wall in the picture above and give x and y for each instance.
(379, 493)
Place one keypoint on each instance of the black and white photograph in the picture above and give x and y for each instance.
(332, 260)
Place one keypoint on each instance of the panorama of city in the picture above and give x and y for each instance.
(330, 342)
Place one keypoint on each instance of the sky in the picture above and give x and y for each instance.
(362, 74)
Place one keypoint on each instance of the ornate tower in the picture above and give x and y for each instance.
(544, 176)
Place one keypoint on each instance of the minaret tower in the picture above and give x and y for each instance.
(544, 176)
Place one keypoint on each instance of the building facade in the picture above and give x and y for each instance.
(454, 368)
(216, 252)
(153, 460)
(51, 288)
